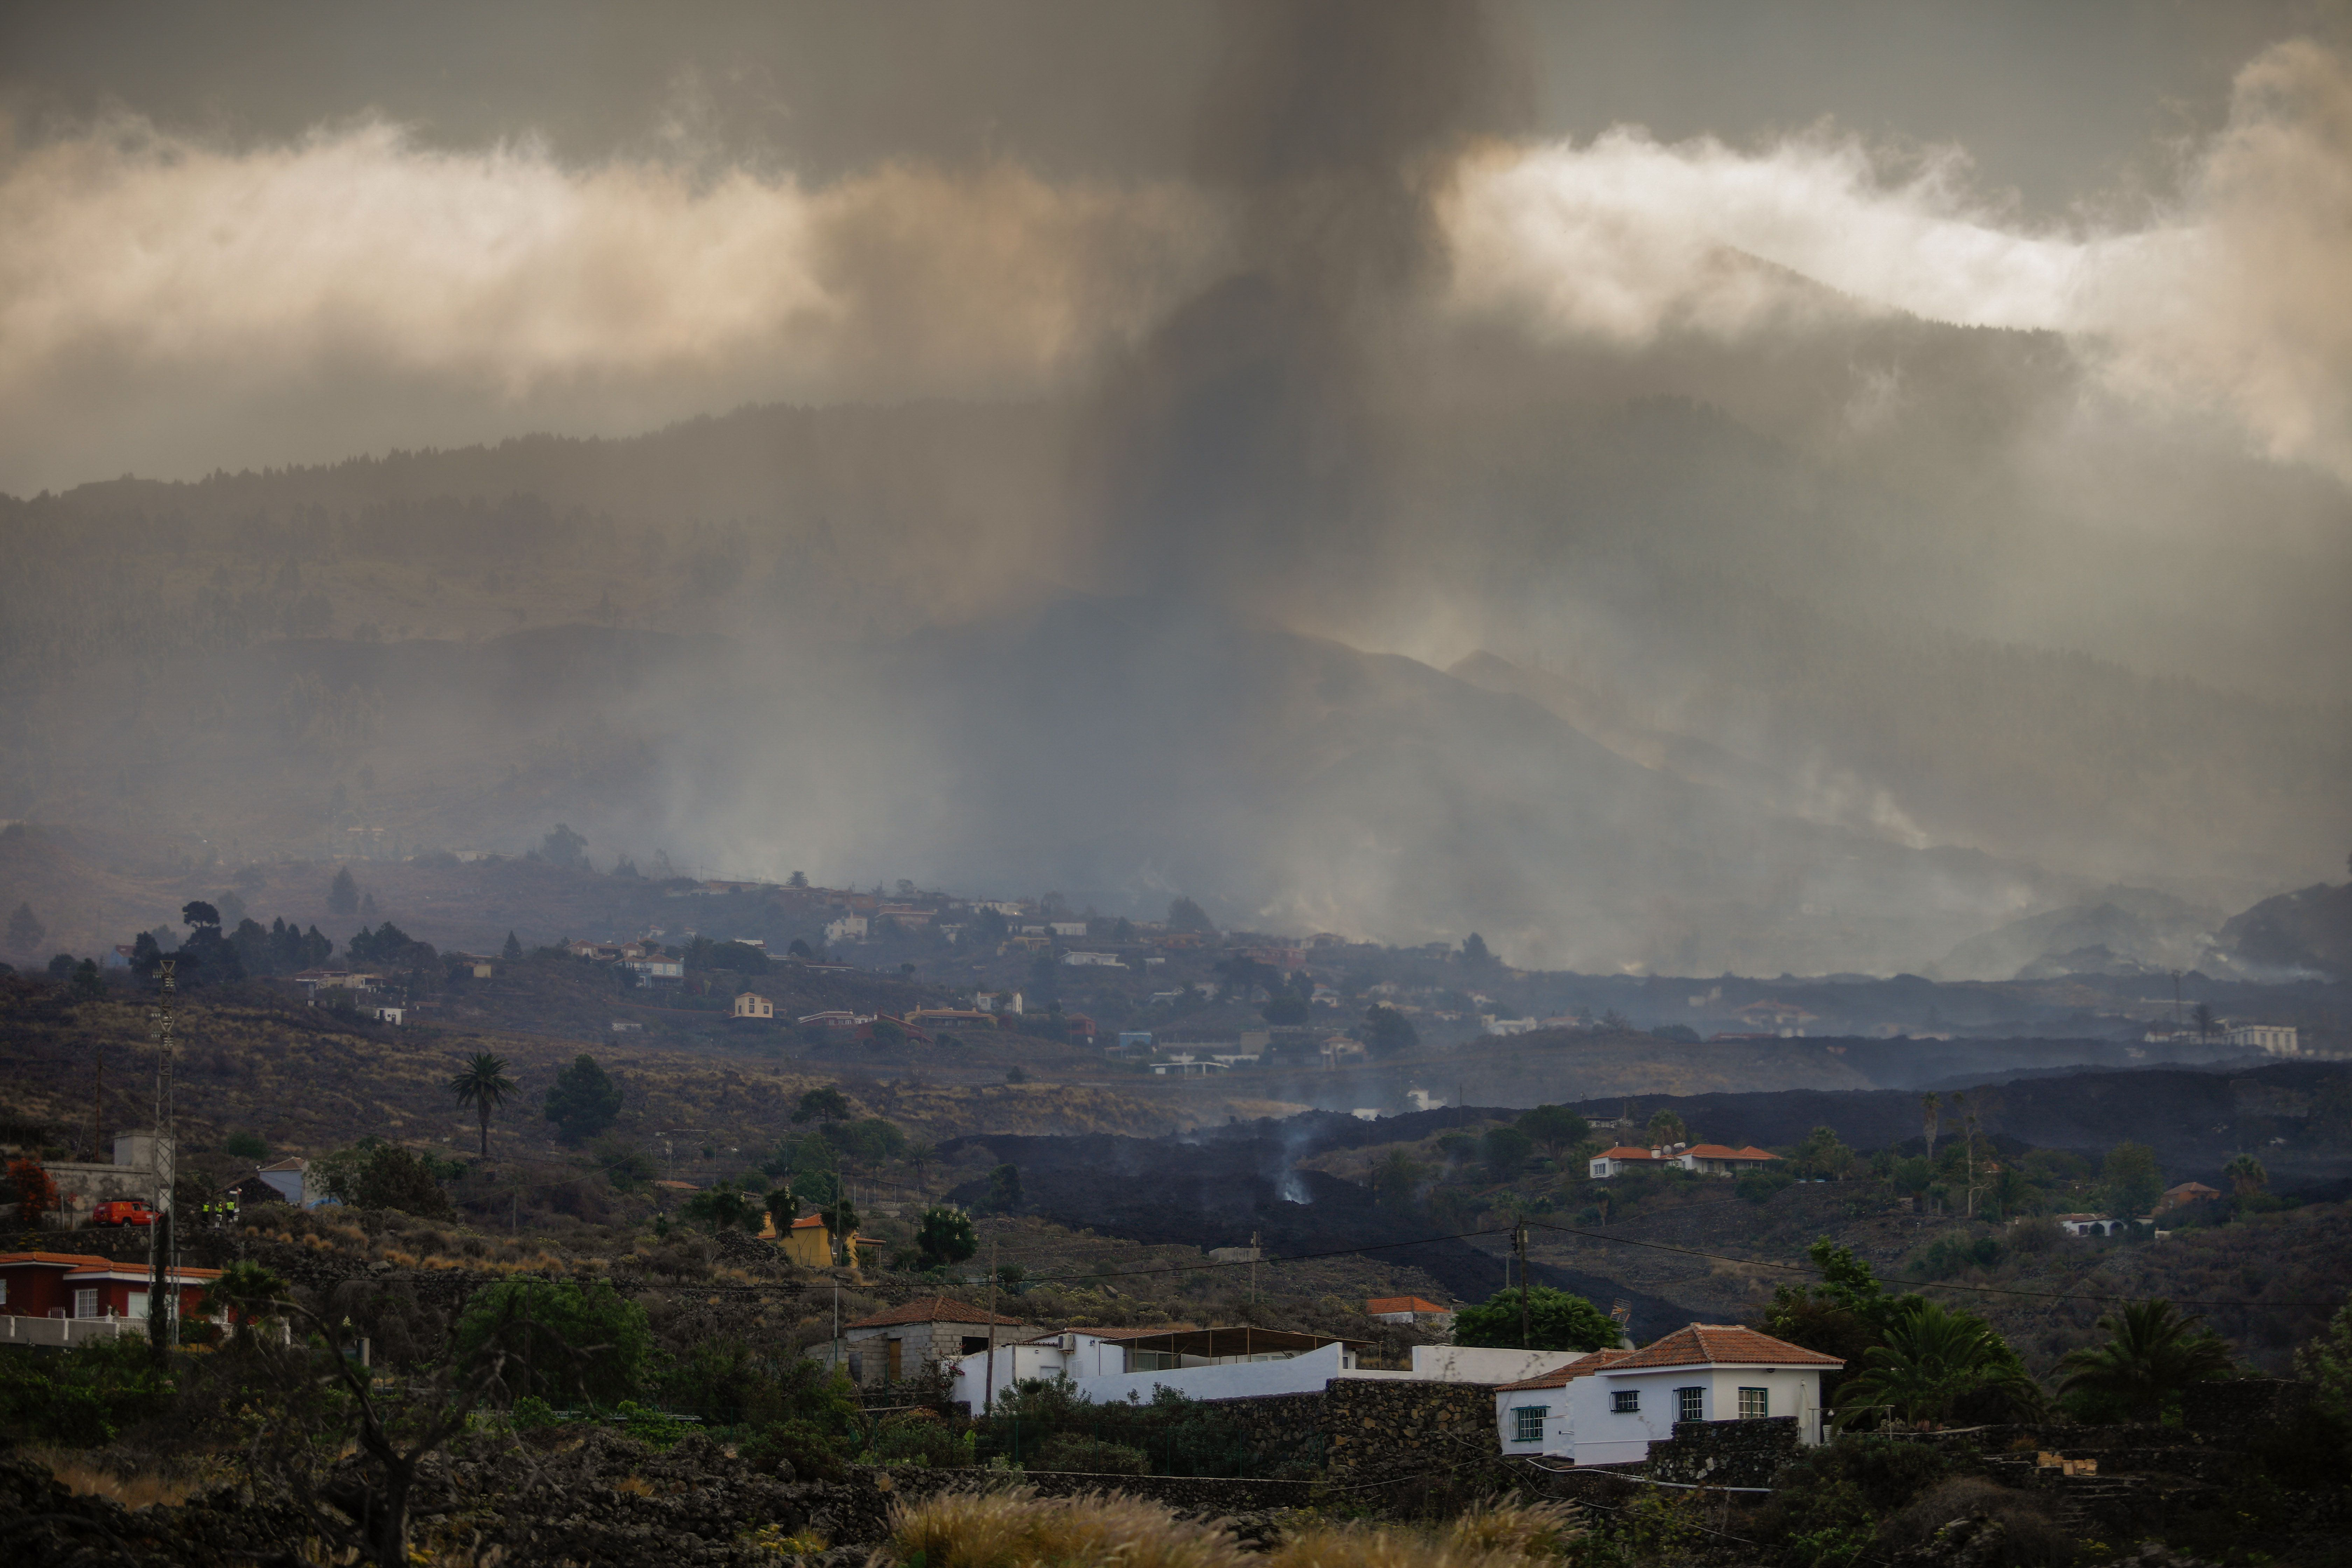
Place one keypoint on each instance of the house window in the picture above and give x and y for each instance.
(86, 1303)
(975, 1343)
(1527, 1422)
(1690, 1403)
(3, 1290)
(1755, 1404)
(138, 1305)
(1625, 1401)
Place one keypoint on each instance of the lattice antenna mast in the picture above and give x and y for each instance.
(163, 1296)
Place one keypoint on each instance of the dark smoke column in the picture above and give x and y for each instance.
(1239, 450)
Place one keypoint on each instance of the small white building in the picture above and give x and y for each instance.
(289, 1178)
(2278, 1039)
(1240, 1362)
(2090, 1223)
(1186, 1065)
(844, 929)
(1077, 960)
(1067, 928)
(1409, 1310)
(750, 1005)
(1608, 1407)
(1108, 1364)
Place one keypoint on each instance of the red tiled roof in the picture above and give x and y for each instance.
(134, 1269)
(931, 1310)
(1705, 1344)
(1561, 1376)
(1717, 1151)
(1627, 1152)
(68, 1259)
(1401, 1304)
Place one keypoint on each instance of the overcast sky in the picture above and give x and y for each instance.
(246, 233)
(2060, 102)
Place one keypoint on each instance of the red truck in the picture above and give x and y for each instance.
(123, 1210)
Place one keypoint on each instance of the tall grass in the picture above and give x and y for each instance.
(1018, 1529)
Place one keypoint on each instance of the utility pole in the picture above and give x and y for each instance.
(97, 1112)
(1520, 1246)
(1255, 1246)
(162, 1301)
(988, 1390)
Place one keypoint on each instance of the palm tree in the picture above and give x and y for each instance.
(244, 1291)
(921, 1154)
(483, 1084)
(2246, 1176)
(2152, 1352)
(1931, 1357)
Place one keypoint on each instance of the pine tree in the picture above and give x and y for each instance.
(512, 952)
(26, 929)
(343, 893)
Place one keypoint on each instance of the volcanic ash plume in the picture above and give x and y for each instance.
(1240, 447)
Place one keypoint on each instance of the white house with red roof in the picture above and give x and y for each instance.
(1626, 1157)
(1721, 1160)
(1608, 1407)
(1409, 1310)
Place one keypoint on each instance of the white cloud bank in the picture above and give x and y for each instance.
(168, 306)
(2236, 300)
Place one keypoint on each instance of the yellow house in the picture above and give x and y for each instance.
(752, 1005)
(809, 1245)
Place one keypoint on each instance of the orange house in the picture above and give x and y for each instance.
(808, 1243)
(79, 1285)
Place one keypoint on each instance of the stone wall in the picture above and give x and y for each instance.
(1375, 1430)
(1286, 1424)
(1361, 1430)
(1725, 1453)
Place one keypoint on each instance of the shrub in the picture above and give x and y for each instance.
(1954, 1251)
(650, 1427)
(920, 1438)
(2039, 1234)
(1077, 1452)
(1556, 1321)
(565, 1343)
(374, 1174)
(1757, 1186)
(82, 1397)
(2027, 1535)
(532, 1413)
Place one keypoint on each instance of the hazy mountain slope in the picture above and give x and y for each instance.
(2310, 928)
(2135, 925)
(1735, 612)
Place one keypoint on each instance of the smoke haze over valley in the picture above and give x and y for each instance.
(1379, 470)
